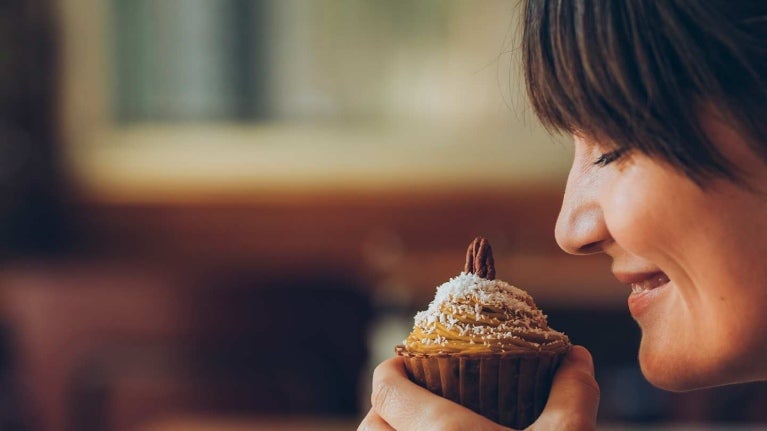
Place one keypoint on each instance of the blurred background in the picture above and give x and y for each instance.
(221, 214)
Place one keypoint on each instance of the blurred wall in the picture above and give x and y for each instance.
(30, 171)
(200, 198)
(353, 95)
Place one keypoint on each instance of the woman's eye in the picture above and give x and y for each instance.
(607, 158)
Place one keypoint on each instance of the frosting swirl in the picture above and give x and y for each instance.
(470, 314)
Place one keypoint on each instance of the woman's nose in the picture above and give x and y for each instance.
(581, 227)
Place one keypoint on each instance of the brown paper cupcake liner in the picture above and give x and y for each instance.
(510, 389)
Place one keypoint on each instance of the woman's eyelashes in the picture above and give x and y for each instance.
(607, 158)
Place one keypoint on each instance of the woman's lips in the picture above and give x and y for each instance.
(644, 288)
(652, 282)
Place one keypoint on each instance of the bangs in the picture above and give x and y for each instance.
(635, 75)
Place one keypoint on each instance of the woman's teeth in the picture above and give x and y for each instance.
(649, 283)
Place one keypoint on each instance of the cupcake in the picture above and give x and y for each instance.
(484, 344)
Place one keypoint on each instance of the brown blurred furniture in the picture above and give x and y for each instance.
(411, 237)
(108, 348)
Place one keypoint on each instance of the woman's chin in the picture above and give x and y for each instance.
(679, 370)
(668, 383)
(666, 373)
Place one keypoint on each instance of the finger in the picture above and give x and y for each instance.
(373, 422)
(406, 406)
(574, 398)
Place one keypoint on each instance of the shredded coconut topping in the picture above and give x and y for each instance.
(481, 292)
(469, 310)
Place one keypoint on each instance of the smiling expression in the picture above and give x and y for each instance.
(692, 257)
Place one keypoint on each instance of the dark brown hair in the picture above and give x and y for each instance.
(639, 73)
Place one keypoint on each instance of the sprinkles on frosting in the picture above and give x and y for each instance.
(472, 310)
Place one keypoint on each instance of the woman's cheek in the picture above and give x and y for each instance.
(642, 209)
(631, 215)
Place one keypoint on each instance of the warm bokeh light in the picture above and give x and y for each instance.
(323, 95)
(222, 214)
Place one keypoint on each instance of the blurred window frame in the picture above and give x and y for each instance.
(161, 161)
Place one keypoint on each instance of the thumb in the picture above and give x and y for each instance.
(574, 398)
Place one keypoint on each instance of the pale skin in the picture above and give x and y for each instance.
(706, 326)
(698, 252)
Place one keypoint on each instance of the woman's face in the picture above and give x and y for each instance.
(693, 259)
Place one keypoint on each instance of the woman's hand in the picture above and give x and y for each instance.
(574, 398)
(399, 404)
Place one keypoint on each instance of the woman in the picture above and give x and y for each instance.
(667, 103)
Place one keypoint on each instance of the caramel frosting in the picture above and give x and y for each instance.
(474, 315)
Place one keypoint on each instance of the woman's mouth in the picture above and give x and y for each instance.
(645, 288)
(656, 280)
